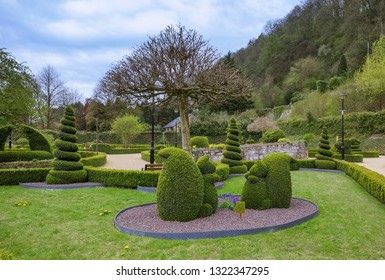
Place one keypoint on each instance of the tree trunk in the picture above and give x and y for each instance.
(185, 125)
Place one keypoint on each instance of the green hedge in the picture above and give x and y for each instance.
(111, 149)
(200, 141)
(9, 177)
(371, 181)
(370, 154)
(350, 157)
(123, 178)
(223, 170)
(23, 155)
(325, 164)
(306, 163)
(146, 156)
(94, 160)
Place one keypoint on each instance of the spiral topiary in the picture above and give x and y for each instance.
(324, 156)
(210, 176)
(232, 153)
(180, 190)
(67, 167)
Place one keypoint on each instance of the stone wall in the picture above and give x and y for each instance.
(297, 150)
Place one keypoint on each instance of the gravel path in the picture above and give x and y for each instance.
(125, 162)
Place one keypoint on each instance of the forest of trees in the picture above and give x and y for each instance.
(310, 40)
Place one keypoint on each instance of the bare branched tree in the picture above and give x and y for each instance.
(177, 65)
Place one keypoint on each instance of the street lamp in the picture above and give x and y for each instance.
(176, 132)
(342, 95)
(152, 148)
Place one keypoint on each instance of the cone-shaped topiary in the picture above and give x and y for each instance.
(180, 190)
(232, 153)
(254, 192)
(210, 176)
(324, 156)
(67, 167)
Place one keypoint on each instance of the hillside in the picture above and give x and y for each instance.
(293, 53)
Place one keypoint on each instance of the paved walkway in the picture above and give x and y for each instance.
(125, 162)
(134, 162)
(375, 164)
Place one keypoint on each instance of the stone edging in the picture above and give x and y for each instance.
(218, 185)
(210, 234)
(43, 185)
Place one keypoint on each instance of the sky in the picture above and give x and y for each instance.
(82, 39)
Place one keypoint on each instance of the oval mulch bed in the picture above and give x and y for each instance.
(143, 220)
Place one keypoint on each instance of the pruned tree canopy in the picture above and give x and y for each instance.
(177, 65)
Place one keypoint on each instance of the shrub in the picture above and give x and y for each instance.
(180, 189)
(272, 136)
(9, 177)
(200, 142)
(207, 168)
(324, 164)
(145, 155)
(123, 178)
(284, 140)
(278, 179)
(254, 192)
(322, 86)
(306, 163)
(22, 142)
(324, 153)
(370, 154)
(248, 163)
(67, 166)
(223, 170)
(37, 140)
(347, 144)
(371, 181)
(94, 160)
(232, 153)
(22, 155)
(350, 157)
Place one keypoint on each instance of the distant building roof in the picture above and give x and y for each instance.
(174, 122)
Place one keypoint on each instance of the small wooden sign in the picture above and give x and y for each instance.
(240, 208)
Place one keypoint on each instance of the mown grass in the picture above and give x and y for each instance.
(64, 224)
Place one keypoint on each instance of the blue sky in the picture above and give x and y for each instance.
(81, 39)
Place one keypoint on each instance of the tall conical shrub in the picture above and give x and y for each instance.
(232, 153)
(67, 167)
(324, 156)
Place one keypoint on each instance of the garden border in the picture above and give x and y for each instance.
(45, 186)
(211, 234)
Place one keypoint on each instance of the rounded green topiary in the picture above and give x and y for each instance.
(278, 179)
(272, 136)
(67, 167)
(232, 153)
(200, 142)
(180, 190)
(208, 169)
(254, 192)
(323, 152)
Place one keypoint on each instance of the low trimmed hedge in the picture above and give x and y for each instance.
(145, 155)
(306, 163)
(223, 170)
(9, 177)
(111, 149)
(325, 164)
(350, 157)
(94, 160)
(371, 181)
(370, 154)
(123, 178)
(24, 155)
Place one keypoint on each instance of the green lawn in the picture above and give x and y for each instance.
(62, 224)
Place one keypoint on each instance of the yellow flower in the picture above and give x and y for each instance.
(126, 247)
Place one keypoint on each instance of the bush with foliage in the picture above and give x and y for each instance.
(347, 145)
(232, 153)
(23, 155)
(272, 136)
(223, 170)
(208, 170)
(93, 160)
(324, 156)
(22, 142)
(67, 167)
(10, 177)
(278, 179)
(254, 192)
(127, 128)
(180, 189)
(200, 142)
(5, 255)
(123, 178)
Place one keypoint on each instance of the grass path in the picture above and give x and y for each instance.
(64, 224)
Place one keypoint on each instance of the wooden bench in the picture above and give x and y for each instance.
(153, 167)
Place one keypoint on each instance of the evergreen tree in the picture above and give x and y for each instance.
(324, 156)
(232, 153)
(342, 67)
(67, 167)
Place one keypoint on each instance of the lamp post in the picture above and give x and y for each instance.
(342, 95)
(152, 148)
(176, 132)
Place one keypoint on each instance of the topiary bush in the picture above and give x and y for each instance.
(232, 153)
(200, 142)
(272, 136)
(180, 190)
(278, 179)
(254, 192)
(67, 167)
(23, 155)
(210, 176)
(347, 144)
(223, 170)
(323, 152)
